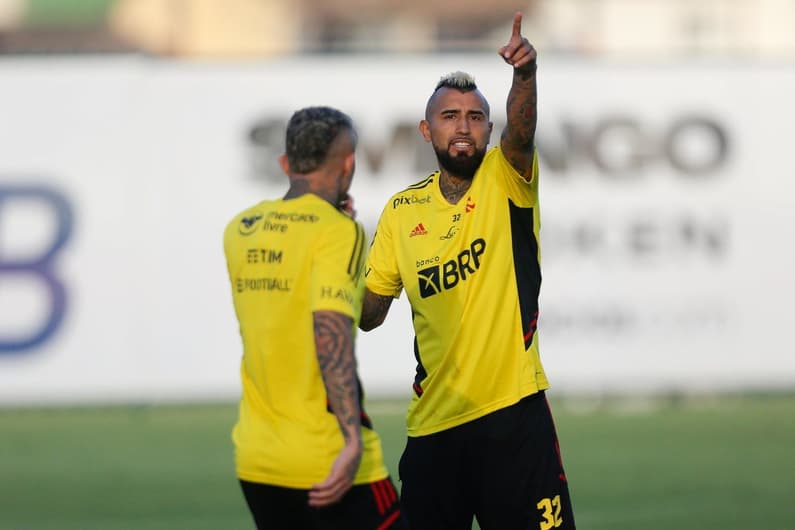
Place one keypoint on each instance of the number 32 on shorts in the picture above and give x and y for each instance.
(550, 511)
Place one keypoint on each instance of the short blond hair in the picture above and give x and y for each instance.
(459, 80)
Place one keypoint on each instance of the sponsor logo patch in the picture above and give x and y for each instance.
(433, 280)
(418, 230)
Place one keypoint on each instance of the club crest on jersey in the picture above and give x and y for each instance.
(418, 230)
(470, 205)
(434, 280)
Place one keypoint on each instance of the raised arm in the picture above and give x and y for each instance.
(335, 354)
(518, 137)
(374, 310)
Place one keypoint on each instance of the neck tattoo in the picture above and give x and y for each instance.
(453, 189)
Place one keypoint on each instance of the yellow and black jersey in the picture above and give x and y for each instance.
(472, 275)
(287, 259)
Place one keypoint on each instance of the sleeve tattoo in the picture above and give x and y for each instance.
(335, 355)
(518, 141)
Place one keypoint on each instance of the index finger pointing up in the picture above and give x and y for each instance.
(517, 25)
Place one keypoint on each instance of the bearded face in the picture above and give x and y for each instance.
(460, 164)
(457, 126)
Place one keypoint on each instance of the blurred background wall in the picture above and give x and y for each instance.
(132, 130)
(235, 29)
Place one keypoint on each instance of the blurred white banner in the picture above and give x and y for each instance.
(668, 197)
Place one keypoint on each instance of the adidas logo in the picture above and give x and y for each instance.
(419, 230)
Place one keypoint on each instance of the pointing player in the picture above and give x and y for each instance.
(481, 440)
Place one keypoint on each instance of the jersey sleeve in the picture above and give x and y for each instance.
(337, 268)
(382, 275)
(522, 192)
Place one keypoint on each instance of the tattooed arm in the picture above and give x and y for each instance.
(335, 354)
(374, 310)
(518, 138)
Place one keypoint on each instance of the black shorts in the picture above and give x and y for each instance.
(371, 506)
(504, 469)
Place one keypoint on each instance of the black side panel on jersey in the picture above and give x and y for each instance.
(365, 419)
(526, 267)
(357, 253)
(421, 373)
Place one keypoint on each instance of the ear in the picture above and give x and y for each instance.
(349, 163)
(425, 130)
(285, 164)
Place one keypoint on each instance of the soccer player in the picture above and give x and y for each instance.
(463, 244)
(305, 452)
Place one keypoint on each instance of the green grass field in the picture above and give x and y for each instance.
(724, 463)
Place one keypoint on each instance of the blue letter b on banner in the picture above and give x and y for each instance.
(39, 267)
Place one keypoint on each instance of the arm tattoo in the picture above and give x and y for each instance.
(518, 138)
(335, 355)
(374, 310)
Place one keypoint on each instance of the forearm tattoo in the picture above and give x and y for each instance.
(522, 117)
(335, 355)
(374, 310)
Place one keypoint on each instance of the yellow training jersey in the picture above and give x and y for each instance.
(472, 274)
(286, 259)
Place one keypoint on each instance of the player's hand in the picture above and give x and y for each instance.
(519, 53)
(340, 479)
(346, 206)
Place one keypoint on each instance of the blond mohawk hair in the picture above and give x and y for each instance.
(459, 80)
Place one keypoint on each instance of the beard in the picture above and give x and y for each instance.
(461, 166)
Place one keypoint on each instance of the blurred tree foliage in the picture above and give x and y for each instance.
(67, 13)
